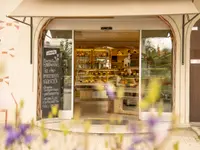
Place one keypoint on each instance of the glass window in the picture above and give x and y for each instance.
(157, 62)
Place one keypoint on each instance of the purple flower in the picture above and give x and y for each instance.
(18, 134)
(8, 128)
(23, 128)
(151, 137)
(12, 137)
(111, 95)
(110, 91)
(28, 139)
(131, 148)
(45, 141)
(133, 127)
(152, 121)
(137, 140)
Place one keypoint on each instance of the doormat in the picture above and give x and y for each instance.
(96, 121)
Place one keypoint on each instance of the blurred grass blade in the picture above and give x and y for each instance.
(176, 146)
(54, 110)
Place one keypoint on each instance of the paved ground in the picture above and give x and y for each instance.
(76, 141)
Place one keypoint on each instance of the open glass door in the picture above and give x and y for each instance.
(67, 74)
(156, 57)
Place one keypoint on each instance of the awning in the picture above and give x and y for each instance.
(197, 4)
(105, 8)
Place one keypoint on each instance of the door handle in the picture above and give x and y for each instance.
(195, 61)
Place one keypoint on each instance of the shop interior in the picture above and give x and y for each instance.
(105, 70)
(106, 63)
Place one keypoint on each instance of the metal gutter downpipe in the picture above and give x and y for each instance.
(31, 40)
(183, 40)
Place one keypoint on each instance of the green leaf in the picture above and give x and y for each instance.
(154, 91)
(32, 123)
(144, 104)
(21, 104)
(64, 129)
(176, 146)
(44, 134)
(107, 127)
(54, 110)
(121, 137)
(87, 125)
(106, 144)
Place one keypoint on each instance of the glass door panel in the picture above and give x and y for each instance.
(156, 62)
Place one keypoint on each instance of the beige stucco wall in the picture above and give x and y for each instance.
(18, 68)
(23, 75)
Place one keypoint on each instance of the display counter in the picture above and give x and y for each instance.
(102, 67)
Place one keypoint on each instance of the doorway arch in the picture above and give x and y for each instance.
(171, 25)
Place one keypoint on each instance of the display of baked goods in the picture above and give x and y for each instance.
(91, 66)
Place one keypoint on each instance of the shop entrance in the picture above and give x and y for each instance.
(106, 64)
(91, 71)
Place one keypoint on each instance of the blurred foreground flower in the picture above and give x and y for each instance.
(54, 110)
(87, 125)
(111, 90)
(44, 132)
(152, 95)
(152, 121)
(19, 135)
(148, 138)
(64, 129)
(107, 127)
(151, 136)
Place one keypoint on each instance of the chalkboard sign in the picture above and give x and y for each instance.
(51, 81)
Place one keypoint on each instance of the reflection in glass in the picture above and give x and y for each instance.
(157, 63)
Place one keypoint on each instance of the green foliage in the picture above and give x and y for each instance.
(152, 95)
(176, 146)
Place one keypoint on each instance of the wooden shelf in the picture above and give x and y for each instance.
(99, 69)
(98, 76)
(92, 100)
(84, 50)
(123, 55)
(87, 84)
(83, 56)
(101, 56)
(136, 68)
(130, 78)
(101, 50)
(117, 62)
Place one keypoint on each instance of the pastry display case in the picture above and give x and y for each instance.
(87, 76)
(102, 58)
(83, 58)
(102, 65)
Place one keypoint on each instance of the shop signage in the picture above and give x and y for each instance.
(50, 80)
